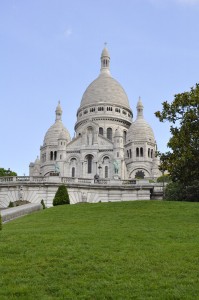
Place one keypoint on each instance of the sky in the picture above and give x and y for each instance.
(50, 51)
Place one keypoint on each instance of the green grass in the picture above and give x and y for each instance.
(129, 250)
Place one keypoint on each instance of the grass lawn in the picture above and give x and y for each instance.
(127, 250)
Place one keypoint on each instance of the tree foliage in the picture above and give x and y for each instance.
(61, 196)
(4, 172)
(164, 178)
(183, 113)
(179, 192)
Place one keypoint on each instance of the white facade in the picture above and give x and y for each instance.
(107, 143)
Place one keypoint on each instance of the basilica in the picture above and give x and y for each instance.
(108, 143)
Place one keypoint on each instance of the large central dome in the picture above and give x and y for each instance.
(105, 89)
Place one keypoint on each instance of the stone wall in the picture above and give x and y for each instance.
(80, 190)
(16, 212)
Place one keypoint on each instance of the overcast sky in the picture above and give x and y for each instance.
(50, 50)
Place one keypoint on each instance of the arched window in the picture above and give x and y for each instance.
(130, 153)
(141, 152)
(148, 152)
(89, 162)
(106, 160)
(124, 136)
(109, 134)
(151, 153)
(101, 130)
(89, 135)
(73, 171)
(51, 155)
(127, 153)
(106, 172)
(55, 155)
(137, 152)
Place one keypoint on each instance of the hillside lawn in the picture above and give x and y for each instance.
(126, 250)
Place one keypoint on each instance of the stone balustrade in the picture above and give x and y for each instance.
(36, 188)
(73, 180)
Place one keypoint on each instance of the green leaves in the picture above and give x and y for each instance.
(61, 196)
(4, 172)
(182, 161)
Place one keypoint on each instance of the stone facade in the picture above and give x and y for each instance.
(101, 162)
(107, 143)
(34, 189)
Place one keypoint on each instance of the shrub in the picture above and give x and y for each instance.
(43, 204)
(11, 204)
(61, 196)
(178, 192)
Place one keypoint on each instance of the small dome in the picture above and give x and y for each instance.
(53, 133)
(140, 130)
(105, 52)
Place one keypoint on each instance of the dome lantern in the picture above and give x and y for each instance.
(58, 112)
(140, 108)
(105, 61)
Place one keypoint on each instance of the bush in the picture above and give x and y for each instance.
(61, 196)
(178, 192)
(11, 204)
(43, 204)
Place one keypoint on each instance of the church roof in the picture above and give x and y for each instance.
(105, 89)
(140, 130)
(53, 133)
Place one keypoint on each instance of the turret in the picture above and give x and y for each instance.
(105, 61)
(58, 112)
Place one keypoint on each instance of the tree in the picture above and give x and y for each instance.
(183, 160)
(4, 172)
(61, 196)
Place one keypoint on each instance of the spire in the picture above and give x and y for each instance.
(105, 60)
(140, 108)
(58, 112)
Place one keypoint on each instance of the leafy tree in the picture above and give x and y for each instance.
(4, 172)
(61, 196)
(183, 161)
(164, 178)
(180, 192)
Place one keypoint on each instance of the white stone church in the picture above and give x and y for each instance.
(108, 144)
